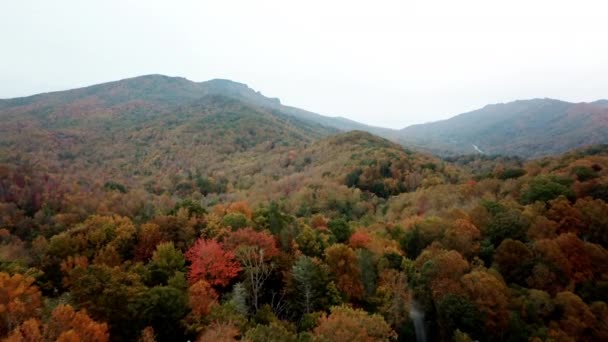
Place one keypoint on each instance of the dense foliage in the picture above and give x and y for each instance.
(344, 238)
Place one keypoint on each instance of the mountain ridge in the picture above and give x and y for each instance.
(525, 128)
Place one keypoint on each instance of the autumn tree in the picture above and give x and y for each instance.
(254, 250)
(147, 335)
(273, 332)
(343, 264)
(202, 298)
(165, 261)
(211, 263)
(490, 295)
(64, 324)
(346, 325)
(65, 320)
(439, 271)
(181, 229)
(219, 332)
(594, 219)
(456, 312)
(576, 316)
(568, 253)
(20, 300)
(514, 260)
(312, 242)
(359, 239)
(108, 294)
(148, 237)
(463, 237)
(393, 296)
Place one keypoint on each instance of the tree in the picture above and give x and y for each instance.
(30, 331)
(359, 239)
(148, 237)
(273, 332)
(462, 236)
(161, 307)
(490, 295)
(235, 221)
(180, 229)
(166, 257)
(65, 324)
(340, 230)
(211, 263)
(459, 313)
(369, 272)
(569, 254)
(311, 242)
(595, 220)
(257, 270)
(568, 217)
(166, 260)
(219, 332)
(254, 250)
(19, 301)
(147, 335)
(514, 260)
(439, 271)
(347, 325)
(202, 298)
(422, 234)
(509, 224)
(576, 316)
(108, 293)
(393, 296)
(65, 320)
(247, 237)
(544, 189)
(343, 264)
(310, 282)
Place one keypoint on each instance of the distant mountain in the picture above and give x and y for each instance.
(527, 128)
(161, 92)
(170, 135)
(149, 125)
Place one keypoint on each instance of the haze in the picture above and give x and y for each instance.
(384, 63)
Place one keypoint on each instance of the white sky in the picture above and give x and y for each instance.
(385, 63)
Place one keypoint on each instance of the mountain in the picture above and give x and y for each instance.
(171, 135)
(157, 208)
(153, 125)
(527, 128)
(160, 92)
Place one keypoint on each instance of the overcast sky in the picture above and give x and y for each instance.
(385, 63)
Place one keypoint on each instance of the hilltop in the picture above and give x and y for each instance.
(525, 128)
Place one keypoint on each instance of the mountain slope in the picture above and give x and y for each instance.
(160, 92)
(528, 128)
(171, 136)
(147, 129)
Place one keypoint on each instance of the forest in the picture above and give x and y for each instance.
(223, 221)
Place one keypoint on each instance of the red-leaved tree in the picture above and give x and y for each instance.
(211, 263)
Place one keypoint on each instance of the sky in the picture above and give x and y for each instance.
(384, 63)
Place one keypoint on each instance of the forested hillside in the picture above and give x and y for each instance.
(158, 209)
(526, 128)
